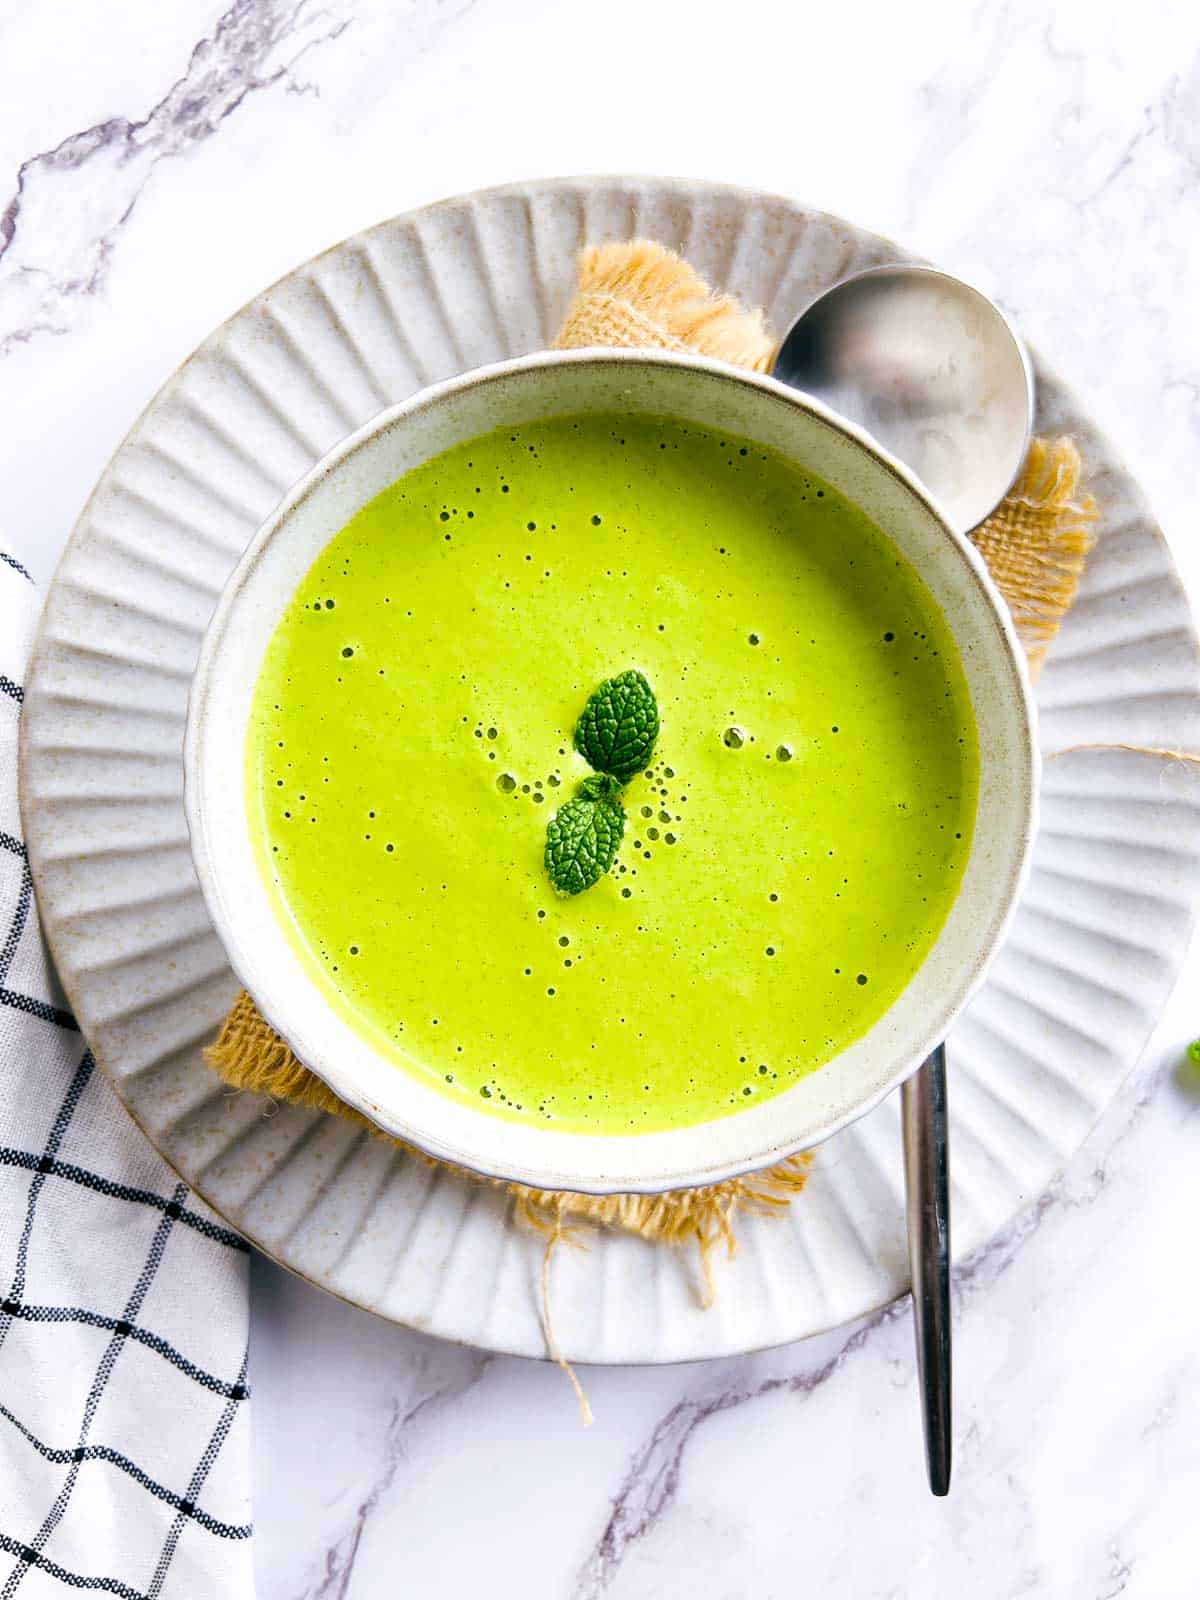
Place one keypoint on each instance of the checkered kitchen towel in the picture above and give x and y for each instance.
(124, 1428)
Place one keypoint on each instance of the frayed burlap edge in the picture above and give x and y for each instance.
(637, 295)
(248, 1054)
(1036, 543)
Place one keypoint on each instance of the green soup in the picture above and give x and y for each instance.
(787, 861)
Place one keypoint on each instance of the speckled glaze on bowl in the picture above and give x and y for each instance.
(565, 383)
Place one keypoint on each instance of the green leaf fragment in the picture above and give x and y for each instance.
(600, 786)
(619, 726)
(582, 839)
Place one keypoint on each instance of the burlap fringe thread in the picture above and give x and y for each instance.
(1036, 543)
(639, 295)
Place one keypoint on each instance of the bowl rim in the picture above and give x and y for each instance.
(345, 1085)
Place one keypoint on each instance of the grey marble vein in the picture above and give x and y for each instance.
(60, 227)
(1116, 1579)
(948, 97)
(340, 1558)
(651, 1484)
(1172, 120)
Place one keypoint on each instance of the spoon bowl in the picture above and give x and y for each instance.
(928, 366)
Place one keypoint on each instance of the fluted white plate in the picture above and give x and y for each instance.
(1096, 945)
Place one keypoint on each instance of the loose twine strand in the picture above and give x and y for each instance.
(558, 1236)
(1186, 756)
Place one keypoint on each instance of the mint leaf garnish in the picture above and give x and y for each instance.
(619, 725)
(583, 836)
(615, 735)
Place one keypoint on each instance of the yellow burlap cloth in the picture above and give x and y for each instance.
(639, 295)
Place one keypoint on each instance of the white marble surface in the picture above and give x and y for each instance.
(159, 164)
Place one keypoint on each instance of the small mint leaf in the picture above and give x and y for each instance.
(582, 840)
(619, 725)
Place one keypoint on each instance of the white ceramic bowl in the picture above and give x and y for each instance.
(519, 391)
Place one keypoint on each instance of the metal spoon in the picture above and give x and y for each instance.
(931, 368)
(937, 374)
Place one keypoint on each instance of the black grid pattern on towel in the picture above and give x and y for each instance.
(46, 1167)
(173, 1210)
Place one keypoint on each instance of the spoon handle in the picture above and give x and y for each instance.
(927, 1185)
